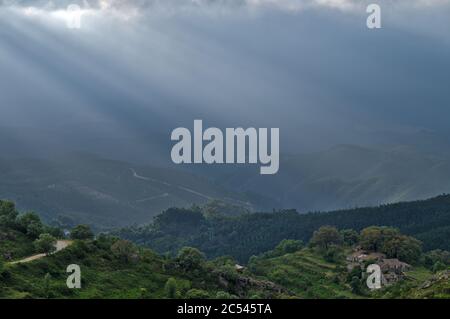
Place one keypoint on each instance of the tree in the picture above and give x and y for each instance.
(190, 258)
(54, 231)
(8, 213)
(82, 232)
(350, 236)
(124, 250)
(374, 237)
(326, 236)
(46, 244)
(404, 248)
(34, 230)
(436, 255)
(170, 288)
(30, 224)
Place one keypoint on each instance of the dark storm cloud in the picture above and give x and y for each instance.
(120, 86)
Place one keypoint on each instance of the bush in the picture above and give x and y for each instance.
(333, 254)
(288, 246)
(124, 250)
(197, 294)
(438, 266)
(432, 257)
(355, 284)
(225, 295)
(170, 288)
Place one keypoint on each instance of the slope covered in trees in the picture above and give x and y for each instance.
(251, 234)
(112, 267)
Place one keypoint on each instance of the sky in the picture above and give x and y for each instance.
(138, 69)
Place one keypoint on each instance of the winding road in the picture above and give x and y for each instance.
(185, 189)
(60, 245)
(136, 175)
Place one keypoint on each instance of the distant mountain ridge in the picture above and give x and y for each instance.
(105, 193)
(86, 188)
(349, 176)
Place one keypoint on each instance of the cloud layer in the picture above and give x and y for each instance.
(318, 74)
(181, 5)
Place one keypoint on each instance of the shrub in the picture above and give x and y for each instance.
(438, 266)
(197, 294)
(124, 250)
(170, 288)
(225, 295)
(288, 246)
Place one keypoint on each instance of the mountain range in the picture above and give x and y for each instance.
(347, 176)
(86, 188)
(83, 188)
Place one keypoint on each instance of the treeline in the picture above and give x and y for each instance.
(25, 234)
(251, 234)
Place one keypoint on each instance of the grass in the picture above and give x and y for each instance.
(419, 274)
(305, 274)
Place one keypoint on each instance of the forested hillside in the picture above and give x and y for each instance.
(251, 234)
(112, 267)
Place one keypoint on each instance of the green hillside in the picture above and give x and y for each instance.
(112, 267)
(305, 273)
(143, 274)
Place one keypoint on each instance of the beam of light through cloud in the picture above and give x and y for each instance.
(137, 69)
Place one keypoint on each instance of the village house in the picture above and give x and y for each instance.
(392, 268)
(360, 256)
(393, 265)
(239, 268)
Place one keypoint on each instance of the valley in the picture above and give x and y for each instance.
(104, 193)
